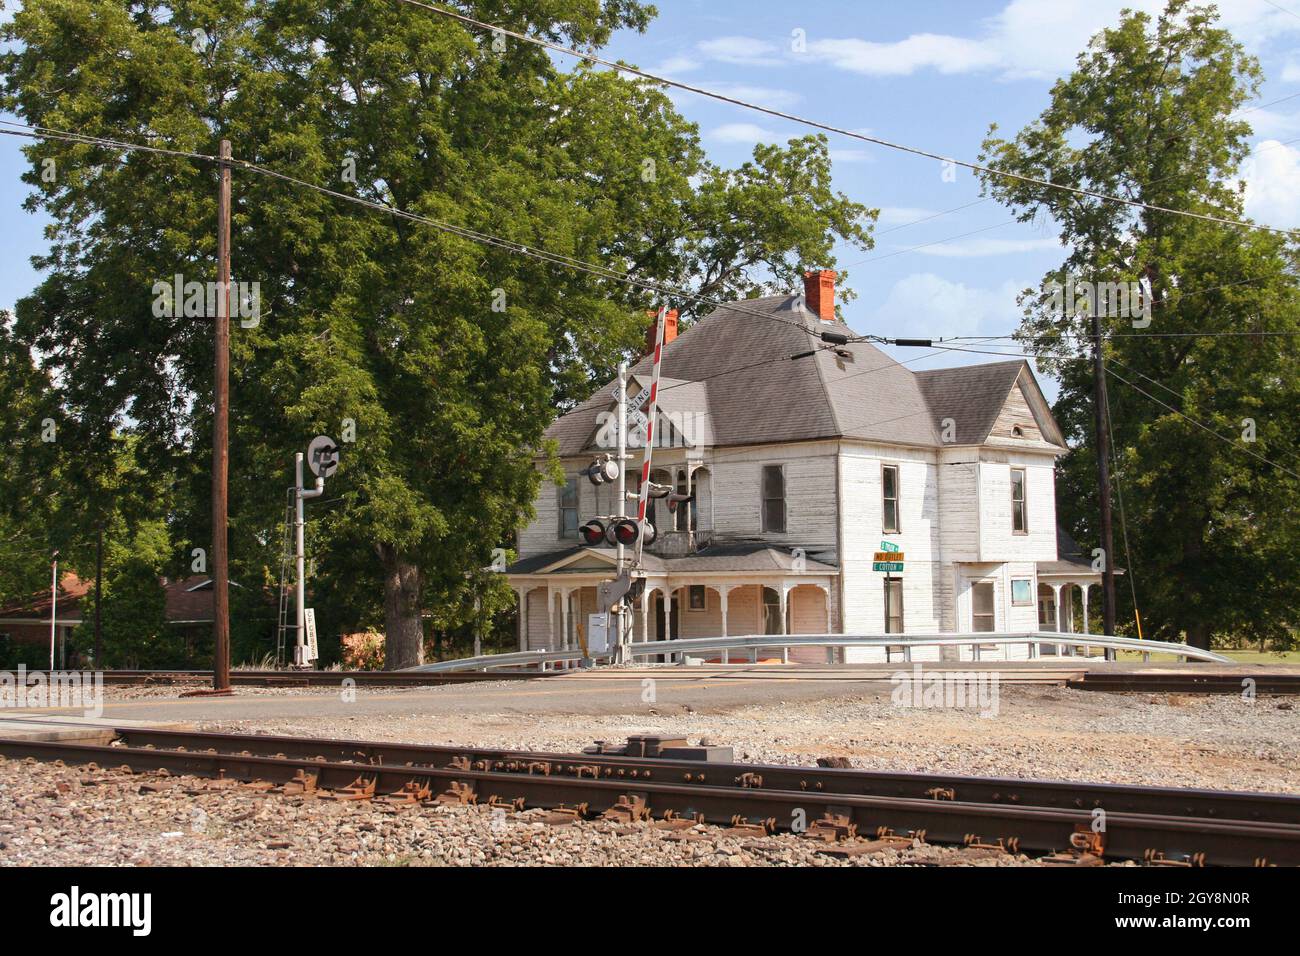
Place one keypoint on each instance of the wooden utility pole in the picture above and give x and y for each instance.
(1099, 404)
(220, 439)
(99, 596)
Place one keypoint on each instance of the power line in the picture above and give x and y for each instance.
(1228, 441)
(934, 242)
(826, 127)
(917, 222)
(605, 272)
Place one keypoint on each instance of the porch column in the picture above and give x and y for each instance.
(550, 622)
(564, 619)
(521, 623)
(1058, 612)
(645, 614)
(784, 592)
(830, 625)
(723, 591)
(1084, 588)
(668, 614)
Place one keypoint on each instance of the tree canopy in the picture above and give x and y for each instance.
(443, 358)
(1204, 386)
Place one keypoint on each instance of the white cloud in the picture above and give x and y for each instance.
(1272, 177)
(745, 51)
(897, 215)
(761, 95)
(1291, 72)
(675, 65)
(930, 305)
(978, 248)
(1033, 39)
(743, 133)
(851, 156)
(947, 54)
(1270, 123)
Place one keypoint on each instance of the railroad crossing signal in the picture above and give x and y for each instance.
(615, 530)
(603, 469)
(675, 501)
(323, 456)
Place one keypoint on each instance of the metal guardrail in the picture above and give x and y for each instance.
(753, 643)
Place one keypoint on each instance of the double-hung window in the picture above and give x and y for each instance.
(1019, 514)
(774, 499)
(568, 503)
(889, 496)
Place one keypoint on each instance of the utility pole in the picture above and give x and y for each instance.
(620, 648)
(99, 595)
(300, 559)
(1099, 404)
(54, 602)
(220, 440)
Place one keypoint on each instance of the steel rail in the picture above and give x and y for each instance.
(1192, 803)
(1132, 836)
(307, 678)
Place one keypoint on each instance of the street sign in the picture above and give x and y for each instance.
(639, 399)
(309, 625)
(637, 419)
(323, 456)
(888, 559)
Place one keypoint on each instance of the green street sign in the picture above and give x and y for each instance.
(886, 565)
(889, 546)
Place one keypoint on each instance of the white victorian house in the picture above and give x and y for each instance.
(805, 461)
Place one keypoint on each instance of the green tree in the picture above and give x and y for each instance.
(449, 356)
(1150, 114)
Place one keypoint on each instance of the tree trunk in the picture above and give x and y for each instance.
(1198, 635)
(403, 629)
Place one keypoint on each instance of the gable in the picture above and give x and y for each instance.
(1016, 415)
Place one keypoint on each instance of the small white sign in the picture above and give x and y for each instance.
(637, 419)
(597, 633)
(309, 625)
(639, 399)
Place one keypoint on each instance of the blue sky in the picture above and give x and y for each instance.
(931, 74)
(934, 75)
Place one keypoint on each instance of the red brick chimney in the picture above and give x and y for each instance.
(670, 329)
(819, 293)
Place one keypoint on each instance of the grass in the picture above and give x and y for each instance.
(1241, 657)
(1263, 657)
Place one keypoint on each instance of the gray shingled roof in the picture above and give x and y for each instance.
(736, 555)
(867, 395)
(972, 396)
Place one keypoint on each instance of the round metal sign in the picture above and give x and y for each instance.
(323, 456)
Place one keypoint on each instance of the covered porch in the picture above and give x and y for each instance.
(771, 592)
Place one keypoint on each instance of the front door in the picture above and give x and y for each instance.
(983, 618)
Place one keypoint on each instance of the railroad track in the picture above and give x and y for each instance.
(1188, 683)
(1200, 682)
(288, 678)
(851, 810)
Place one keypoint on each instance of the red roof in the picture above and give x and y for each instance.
(71, 590)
